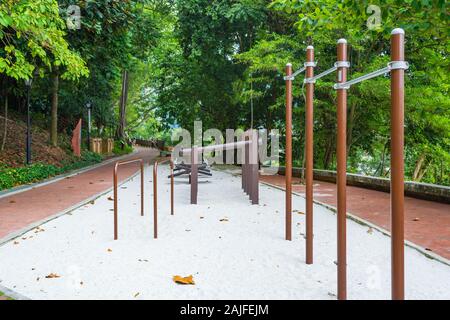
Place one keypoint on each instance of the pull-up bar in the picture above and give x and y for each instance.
(393, 65)
(396, 67)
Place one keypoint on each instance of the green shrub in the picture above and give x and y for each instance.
(118, 148)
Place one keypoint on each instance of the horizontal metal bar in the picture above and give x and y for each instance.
(393, 65)
(214, 147)
(296, 73)
(320, 75)
(348, 84)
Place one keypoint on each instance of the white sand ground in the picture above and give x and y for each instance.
(245, 257)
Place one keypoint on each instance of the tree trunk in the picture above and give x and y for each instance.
(123, 106)
(5, 131)
(54, 112)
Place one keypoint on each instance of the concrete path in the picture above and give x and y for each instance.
(25, 208)
(427, 223)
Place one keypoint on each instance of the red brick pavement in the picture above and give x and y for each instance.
(427, 223)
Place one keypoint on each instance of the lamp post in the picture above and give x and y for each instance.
(28, 84)
(89, 108)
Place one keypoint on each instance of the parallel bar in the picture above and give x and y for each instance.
(309, 157)
(397, 166)
(341, 155)
(288, 153)
(216, 147)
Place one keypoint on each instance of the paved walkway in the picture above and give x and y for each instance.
(427, 223)
(25, 208)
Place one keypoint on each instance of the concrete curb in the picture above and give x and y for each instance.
(361, 221)
(26, 187)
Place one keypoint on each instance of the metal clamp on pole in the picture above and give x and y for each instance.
(320, 75)
(393, 65)
(338, 64)
(296, 73)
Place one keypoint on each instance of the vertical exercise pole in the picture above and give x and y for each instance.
(397, 167)
(246, 165)
(288, 153)
(341, 153)
(171, 188)
(254, 187)
(142, 187)
(194, 175)
(309, 156)
(115, 200)
(155, 200)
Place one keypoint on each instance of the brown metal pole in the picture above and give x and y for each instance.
(142, 187)
(155, 200)
(288, 153)
(171, 188)
(194, 175)
(397, 167)
(254, 191)
(115, 201)
(309, 156)
(341, 153)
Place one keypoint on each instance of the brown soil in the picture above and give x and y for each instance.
(14, 152)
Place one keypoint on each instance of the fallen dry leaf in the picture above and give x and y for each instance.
(297, 211)
(183, 280)
(12, 201)
(52, 276)
(110, 198)
(223, 220)
(16, 242)
(109, 250)
(370, 230)
(416, 219)
(136, 294)
(92, 202)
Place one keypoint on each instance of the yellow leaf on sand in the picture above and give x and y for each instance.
(52, 276)
(183, 280)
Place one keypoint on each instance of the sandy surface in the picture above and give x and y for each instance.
(245, 257)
